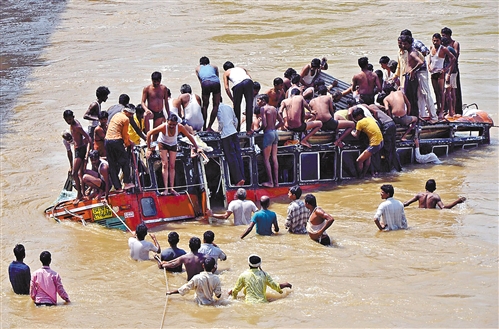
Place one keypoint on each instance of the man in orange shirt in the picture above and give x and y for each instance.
(116, 142)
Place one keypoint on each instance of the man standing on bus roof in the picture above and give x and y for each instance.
(156, 97)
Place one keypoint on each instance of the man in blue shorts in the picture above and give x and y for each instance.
(264, 219)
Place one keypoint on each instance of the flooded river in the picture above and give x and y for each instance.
(442, 272)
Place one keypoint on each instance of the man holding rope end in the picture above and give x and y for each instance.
(139, 248)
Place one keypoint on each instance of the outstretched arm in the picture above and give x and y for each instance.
(414, 199)
(250, 227)
(452, 204)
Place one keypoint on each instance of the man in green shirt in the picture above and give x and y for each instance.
(255, 282)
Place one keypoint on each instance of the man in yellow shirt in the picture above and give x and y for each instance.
(255, 282)
(141, 127)
(371, 129)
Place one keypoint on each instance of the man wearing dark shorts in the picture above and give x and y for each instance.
(210, 84)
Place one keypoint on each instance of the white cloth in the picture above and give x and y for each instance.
(227, 120)
(393, 214)
(139, 250)
(426, 158)
(208, 249)
(242, 210)
(206, 285)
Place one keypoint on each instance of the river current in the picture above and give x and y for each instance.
(441, 272)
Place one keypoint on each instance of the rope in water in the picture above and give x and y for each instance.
(114, 212)
(166, 300)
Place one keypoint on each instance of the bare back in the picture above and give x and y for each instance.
(396, 103)
(294, 111)
(322, 106)
(428, 200)
(366, 82)
(193, 264)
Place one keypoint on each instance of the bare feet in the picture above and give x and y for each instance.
(339, 144)
(129, 185)
(173, 192)
(240, 183)
(268, 184)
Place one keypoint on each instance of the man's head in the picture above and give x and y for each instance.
(66, 135)
(436, 39)
(94, 157)
(254, 261)
(172, 120)
(45, 258)
(124, 99)
(446, 32)
(294, 192)
(392, 64)
(256, 88)
(310, 201)
(386, 191)
(102, 93)
(204, 60)
(431, 185)
(336, 95)
(194, 244)
(103, 117)
(278, 83)
(141, 231)
(322, 90)
(315, 63)
(173, 238)
(289, 72)
(363, 61)
(406, 42)
(68, 117)
(265, 202)
(185, 89)
(228, 65)
(406, 32)
(241, 193)
(208, 237)
(384, 61)
(370, 67)
(129, 110)
(379, 73)
(358, 114)
(139, 111)
(262, 100)
(156, 78)
(295, 92)
(295, 79)
(209, 264)
(19, 252)
(445, 41)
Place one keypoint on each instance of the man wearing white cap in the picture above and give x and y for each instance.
(255, 281)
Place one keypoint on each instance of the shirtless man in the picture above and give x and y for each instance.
(447, 33)
(323, 107)
(397, 105)
(365, 82)
(92, 113)
(192, 261)
(100, 133)
(98, 177)
(156, 97)
(270, 138)
(277, 93)
(81, 142)
(295, 114)
(190, 109)
(295, 84)
(318, 222)
(430, 200)
(288, 74)
(439, 73)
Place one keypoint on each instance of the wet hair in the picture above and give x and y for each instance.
(94, 154)
(437, 35)
(254, 260)
(209, 263)
(265, 202)
(392, 64)
(351, 102)
(185, 89)
(445, 41)
(381, 97)
(173, 117)
(295, 79)
(336, 95)
(388, 189)
(315, 62)
(431, 185)
(384, 60)
(194, 244)
(379, 73)
(204, 60)
(241, 193)
(68, 114)
(296, 191)
(370, 67)
(406, 32)
(173, 238)
(322, 90)
(446, 31)
(256, 85)
(139, 109)
(103, 115)
(124, 99)
(289, 72)
(19, 252)
(358, 111)
(406, 38)
(278, 81)
(310, 199)
(141, 231)
(156, 76)
(319, 82)
(295, 91)
(228, 65)
(208, 236)
(263, 97)
(67, 135)
(102, 92)
(363, 62)
(45, 258)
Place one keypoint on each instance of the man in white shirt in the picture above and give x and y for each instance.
(139, 248)
(209, 249)
(240, 207)
(390, 214)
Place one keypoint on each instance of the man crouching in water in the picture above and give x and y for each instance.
(81, 142)
(318, 222)
(431, 200)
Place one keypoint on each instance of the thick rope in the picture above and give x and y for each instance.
(166, 300)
